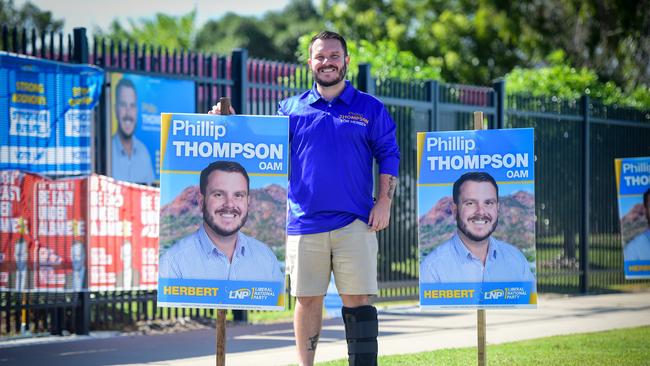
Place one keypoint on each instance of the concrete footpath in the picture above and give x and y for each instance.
(402, 330)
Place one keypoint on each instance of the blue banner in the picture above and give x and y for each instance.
(47, 110)
(633, 191)
(476, 218)
(229, 227)
(259, 143)
(507, 155)
(477, 295)
(221, 294)
(136, 104)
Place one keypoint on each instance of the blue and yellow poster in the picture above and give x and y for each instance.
(46, 110)
(136, 104)
(476, 218)
(633, 190)
(223, 211)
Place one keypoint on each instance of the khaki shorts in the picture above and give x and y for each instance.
(351, 252)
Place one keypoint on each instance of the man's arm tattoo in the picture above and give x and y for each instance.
(313, 342)
(392, 185)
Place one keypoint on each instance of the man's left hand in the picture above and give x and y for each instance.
(380, 214)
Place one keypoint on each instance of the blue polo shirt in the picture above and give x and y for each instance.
(333, 144)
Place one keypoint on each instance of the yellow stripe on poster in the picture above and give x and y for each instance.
(618, 163)
(421, 136)
(165, 122)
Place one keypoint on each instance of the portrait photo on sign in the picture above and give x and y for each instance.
(136, 104)
(223, 211)
(476, 218)
(633, 186)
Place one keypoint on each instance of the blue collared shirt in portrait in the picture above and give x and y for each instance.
(135, 169)
(195, 257)
(638, 249)
(453, 262)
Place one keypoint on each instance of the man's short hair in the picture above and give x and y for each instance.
(330, 35)
(474, 177)
(223, 166)
(646, 197)
(124, 83)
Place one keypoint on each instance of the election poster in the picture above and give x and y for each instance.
(16, 243)
(136, 104)
(633, 190)
(223, 211)
(476, 218)
(46, 111)
(123, 221)
(60, 235)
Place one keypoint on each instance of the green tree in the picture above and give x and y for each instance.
(235, 31)
(273, 36)
(28, 16)
(385, 58)
(567, 82)
(475, 41)
(161, 30)
(463, 38)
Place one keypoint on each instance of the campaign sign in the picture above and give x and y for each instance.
(46, 111)
(16, 244)
(136, 104)
(633, 190)
(222, 236)
(59, 230)
(123, 222)
(476, 218)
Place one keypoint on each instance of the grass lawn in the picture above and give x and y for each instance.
(615, 347)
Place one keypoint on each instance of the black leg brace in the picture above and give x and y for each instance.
(361, 329)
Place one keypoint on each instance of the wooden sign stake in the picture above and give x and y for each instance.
(480, 324)
(221, 313)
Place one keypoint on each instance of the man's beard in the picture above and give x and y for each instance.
(463, 228)
(121, 130)
(209, 220)
(324, 83)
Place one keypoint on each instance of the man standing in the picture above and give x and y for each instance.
(335, 133)
(218, 250)
(472, 254)
(130, 158)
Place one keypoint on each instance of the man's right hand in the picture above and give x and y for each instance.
(216, 109)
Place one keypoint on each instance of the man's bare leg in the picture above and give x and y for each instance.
(307, 323)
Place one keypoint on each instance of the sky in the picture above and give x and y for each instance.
(89, 13)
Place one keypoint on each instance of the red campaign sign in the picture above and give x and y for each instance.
(123, 225)
(60, 233)
(16, 242)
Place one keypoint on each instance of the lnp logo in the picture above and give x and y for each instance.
(494, 294)
(241, 293)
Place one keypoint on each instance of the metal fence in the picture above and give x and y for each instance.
(575, 144)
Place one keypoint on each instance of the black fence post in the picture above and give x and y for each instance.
(240, 80)
(499, 86)
(432, 87)
(239, 92)
(80, 55)
(365, 82)
(586, 204)
(80, 50)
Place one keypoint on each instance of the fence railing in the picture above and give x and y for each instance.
(578, 234)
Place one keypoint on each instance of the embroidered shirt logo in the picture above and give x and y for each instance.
(356, 118)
